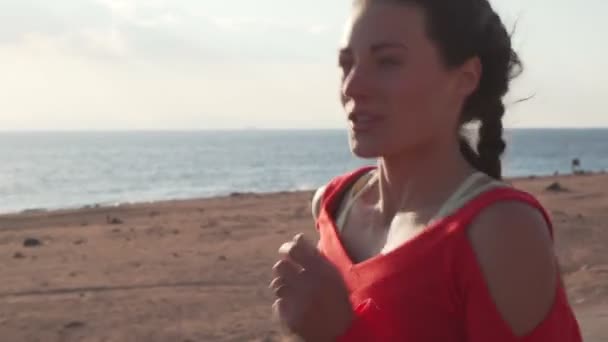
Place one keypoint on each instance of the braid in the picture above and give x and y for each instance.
(500, 64)
(491, 144)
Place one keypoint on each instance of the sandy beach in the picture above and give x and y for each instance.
(198, 270)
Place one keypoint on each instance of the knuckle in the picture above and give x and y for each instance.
(298, 238)
(274, 283)
(286, 248)
(292, 251)
(283, 269)
(281, 291)
(278, 265)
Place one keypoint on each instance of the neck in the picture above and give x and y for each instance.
(418, 180)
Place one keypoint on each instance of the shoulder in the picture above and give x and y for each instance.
(514, 249)
(316, 201)
(508, 224)
(338, 183)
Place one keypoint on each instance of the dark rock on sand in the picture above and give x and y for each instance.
(556, 187)
(74, 325)
(18, 255)
(31, 242)
(113, 220)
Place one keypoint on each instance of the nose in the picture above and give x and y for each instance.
(355, 85)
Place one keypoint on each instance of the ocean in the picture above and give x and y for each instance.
(53, 170)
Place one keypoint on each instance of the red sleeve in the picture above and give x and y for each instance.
(482, 319)
(485, 323)
(367, 326)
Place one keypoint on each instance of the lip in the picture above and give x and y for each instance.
(362, 122)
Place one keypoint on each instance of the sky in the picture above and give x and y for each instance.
(235, 64)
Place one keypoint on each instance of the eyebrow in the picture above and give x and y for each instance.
(379, 47)
(387, 45)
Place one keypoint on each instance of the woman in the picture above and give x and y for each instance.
(430, 245)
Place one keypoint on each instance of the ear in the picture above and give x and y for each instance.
(469, 76)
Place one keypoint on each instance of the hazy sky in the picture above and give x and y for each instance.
(209, 64)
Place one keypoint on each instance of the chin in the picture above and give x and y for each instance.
(365, 149)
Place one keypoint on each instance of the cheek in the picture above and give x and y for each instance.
(415, 95)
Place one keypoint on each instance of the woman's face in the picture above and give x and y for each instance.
(396, 91)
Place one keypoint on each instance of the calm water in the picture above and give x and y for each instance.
(61, 170)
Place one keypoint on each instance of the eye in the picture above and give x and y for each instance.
(345, 64)
(389, 62)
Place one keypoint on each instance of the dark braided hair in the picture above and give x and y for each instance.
(463, 29)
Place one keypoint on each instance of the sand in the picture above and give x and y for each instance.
(198, 270)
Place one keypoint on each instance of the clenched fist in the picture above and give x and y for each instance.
(312, 299)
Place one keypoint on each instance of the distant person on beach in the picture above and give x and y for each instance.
(430, 244)
(576, 166)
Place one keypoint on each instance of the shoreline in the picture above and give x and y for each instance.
(105, 206)
(101, 206)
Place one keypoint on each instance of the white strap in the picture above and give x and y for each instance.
(459, 197)
(352, 198)
(463, 196)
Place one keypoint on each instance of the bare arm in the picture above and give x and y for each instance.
(514, 249)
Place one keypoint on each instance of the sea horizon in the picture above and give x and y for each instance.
(72, 169)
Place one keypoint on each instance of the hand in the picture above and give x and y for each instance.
(312, 299)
